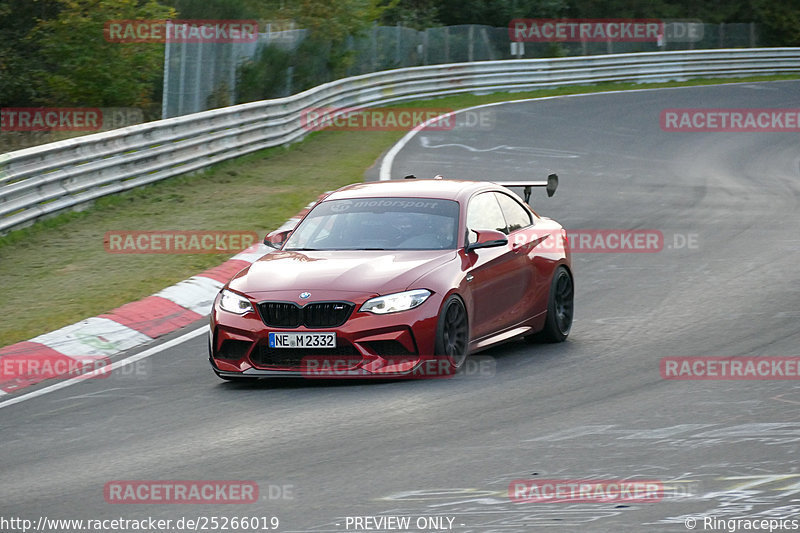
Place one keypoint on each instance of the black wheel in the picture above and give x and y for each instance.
(452, 332)
(560, 308)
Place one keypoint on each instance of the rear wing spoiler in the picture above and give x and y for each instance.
(550, 185)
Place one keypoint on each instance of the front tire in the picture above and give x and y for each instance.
(452, 332)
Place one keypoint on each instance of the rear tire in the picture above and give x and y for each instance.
(560, 308)
(452, 332)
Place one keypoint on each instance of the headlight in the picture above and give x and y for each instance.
(392, 303)
(233, 303)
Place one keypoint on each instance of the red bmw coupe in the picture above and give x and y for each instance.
(382, 278)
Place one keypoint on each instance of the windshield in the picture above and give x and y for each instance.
(378, 224)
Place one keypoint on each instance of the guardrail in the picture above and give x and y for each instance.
(46, 179)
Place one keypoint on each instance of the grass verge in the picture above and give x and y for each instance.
(57, 271)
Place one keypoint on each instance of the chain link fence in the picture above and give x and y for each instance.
(201, 76)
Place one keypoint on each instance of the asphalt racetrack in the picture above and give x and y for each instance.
(443, 452)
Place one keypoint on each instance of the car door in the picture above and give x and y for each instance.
(524, 239)
(496, 282)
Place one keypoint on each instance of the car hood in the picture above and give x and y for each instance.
(364, 272)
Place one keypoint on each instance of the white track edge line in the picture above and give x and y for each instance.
(108, 368)
(385, 173)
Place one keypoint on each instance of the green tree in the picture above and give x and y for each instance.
(330, 24)
(18, 56)
(498, 13)
(264, 77)
(779, 21)
(417, 14)
(217, 9)
(606, 9)
(79, 67)
(323, 55)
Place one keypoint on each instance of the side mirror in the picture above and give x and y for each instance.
(276, 238)
(488, 238)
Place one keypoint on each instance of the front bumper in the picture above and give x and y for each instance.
(367, 346)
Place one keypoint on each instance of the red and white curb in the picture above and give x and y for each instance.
(134, 324)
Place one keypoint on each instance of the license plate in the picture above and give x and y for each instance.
(302, 340)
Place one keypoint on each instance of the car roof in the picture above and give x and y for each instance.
(414, 188)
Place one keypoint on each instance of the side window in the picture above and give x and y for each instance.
(484, 213)
(516, 215)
